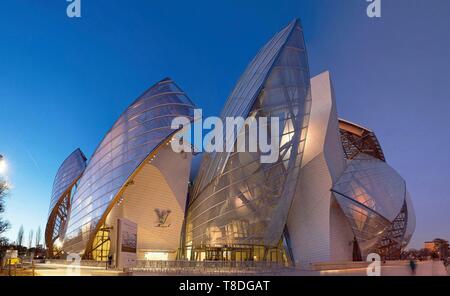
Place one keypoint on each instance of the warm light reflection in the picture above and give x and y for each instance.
(361, 215)
(58, 244)
(158, 256)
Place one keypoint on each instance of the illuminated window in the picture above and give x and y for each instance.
(101, 245)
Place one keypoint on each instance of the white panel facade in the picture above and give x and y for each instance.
(341, 235)
(155, 190)
(309, 217)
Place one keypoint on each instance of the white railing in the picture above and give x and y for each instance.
(185, 267)
(85, 263)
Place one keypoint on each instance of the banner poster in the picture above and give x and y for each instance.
(126, 243)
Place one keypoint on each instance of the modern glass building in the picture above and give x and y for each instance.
(372, 195)
(238, 203)
(134, 175)
(329, 196)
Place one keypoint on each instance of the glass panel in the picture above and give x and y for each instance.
(139, 130)
(373, 183)
(237, 200)
(67, 174)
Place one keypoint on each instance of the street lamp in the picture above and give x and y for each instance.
(2, 165)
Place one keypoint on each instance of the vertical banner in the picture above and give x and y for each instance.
(126, 243)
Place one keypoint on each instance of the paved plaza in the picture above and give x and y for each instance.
(396, 268)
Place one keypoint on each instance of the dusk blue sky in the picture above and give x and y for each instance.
(64, 82)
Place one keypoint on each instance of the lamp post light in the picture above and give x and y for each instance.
(2, 165)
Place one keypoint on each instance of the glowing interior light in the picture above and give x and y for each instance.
(58, 244)
(158, 256)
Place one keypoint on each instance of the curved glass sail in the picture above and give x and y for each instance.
(374, 184)
(68, 174)
(237, 200)
(144, 126)
(371, 195)
(367, 225)
(245, 94)
(399, 233)
(411, 221)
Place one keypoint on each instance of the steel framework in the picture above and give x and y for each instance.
(57, 224)
(61, 201)
(391, 244)
(357, 139)
(101, 245)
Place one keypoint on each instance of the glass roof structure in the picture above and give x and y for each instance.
(136, 135)
(236, 199)
(66, 178)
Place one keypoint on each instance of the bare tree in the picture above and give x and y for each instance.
(19, 240)
(30, 238)
(38, 237)
(4, 225)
